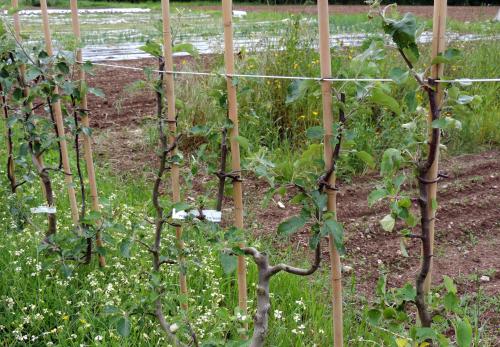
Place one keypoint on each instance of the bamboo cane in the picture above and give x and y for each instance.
(235, 147)
(172, 124)
(326, 71)
(59, 121)
(438, 46)
(87, 144)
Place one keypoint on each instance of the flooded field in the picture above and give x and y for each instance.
(117, 34)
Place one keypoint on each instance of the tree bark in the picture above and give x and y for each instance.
(266, 272)
(426, 218)
(222, 171)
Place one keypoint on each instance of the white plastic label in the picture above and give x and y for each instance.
(44, 209)
(210, 215)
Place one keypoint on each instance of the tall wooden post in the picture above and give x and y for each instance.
(59, 121)
(87, 145)
(227, 15)
(172, 124)
(438, 46)
(326, 91)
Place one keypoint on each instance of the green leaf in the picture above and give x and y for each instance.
(380, 289)
(92, 218)
(63, 67)
(465, 99)
(411, 220)
(367, 158)
(181, 206)
(373, 316)
(18, 94)
(123, 326)
(451, 302)
(314, 240)
(97, 92)
(403, 32)
(291, 225)
(407, 293)
(380, 97)
(411, 101)
(243, 141)
(335, 229)
(404, 202)
(298, 89)
(463, 332)
(11, 121)
(87, 131)
(315, 133)
(389, 313)
(376, 195)
(185, 47)
(125, 246)
(152, 48)
(446, 123)
(388, 222)
(450, 56)
(32, 73)
(449, 285)
(423, 334)
(399, 75)
(87, 67)
(320, 200)
(228, 262)
(200, 130)
(391, 160)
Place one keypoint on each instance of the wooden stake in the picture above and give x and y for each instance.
(438, 46)
(59, 121)
(227, 8)
(326, 71)
(87, 144)
(172, 124)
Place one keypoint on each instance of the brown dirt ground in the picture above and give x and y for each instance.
(462, 13)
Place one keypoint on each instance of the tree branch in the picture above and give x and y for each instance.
(266, 272)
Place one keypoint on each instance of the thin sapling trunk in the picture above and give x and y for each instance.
(426, 218)
(222, 171)
(10, 146)
(88, 252)
(424, 180)
(155, 250)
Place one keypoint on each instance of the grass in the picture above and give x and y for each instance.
(39, 305)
